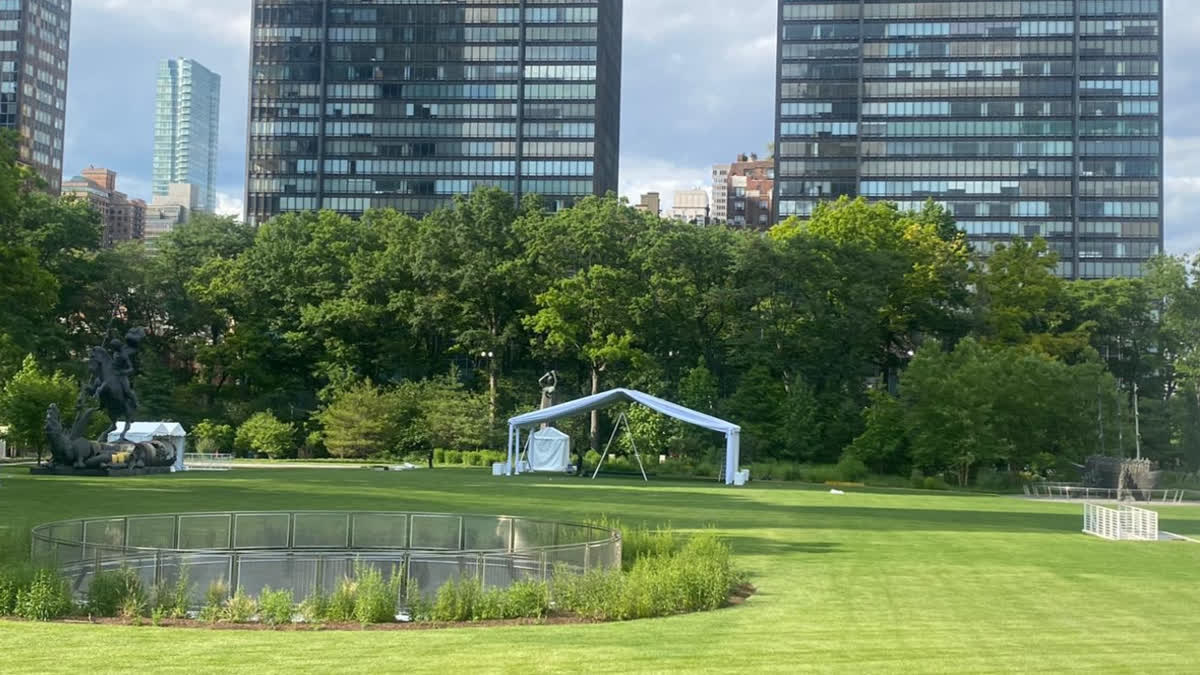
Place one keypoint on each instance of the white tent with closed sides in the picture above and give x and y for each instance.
(549, 450)
(140, 432)
(587, 404)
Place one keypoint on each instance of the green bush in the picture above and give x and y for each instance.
(439, 456)
(934, 483)
(214, 601)
(263, 434)
(14, 580)
(527, 599)
(453, 457)
(116, 593)
(315, 608)
(212, 438)
(47, 597)
(851, 469)
(700, 576)
(172, 600)
(916, 480)
(375, 600)
(419, 607)
(639, 541)
(276, 607)
(239, 608)
(340, 607)
(590, 459)
(456, 600)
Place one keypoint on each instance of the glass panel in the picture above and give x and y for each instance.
(380, 530)
(322, 530)
(204, 532)
(486, 534)
(262, 530)
(152, 531)
(435, 532)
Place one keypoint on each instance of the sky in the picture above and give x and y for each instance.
(698, 88)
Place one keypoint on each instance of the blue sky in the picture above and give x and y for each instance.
(698, 89)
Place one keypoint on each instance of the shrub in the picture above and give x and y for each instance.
(315, 608)
(916, 480)
(453, 457)
(851, 469)
(214, 601)
(47, 597)
(375, 600)
(591, 458)
(172, 600)
(14, 580)
(264, 434)
(639, 541)
(527, 599)
(439, 456)
(934, 483)
(456, 600)
(239, 608)
(698, 577)
(116, 592)
(419, 607)
(276, 607)
(341, 604)
(212, 438)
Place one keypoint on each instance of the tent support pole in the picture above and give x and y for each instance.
(633, 442)
(616, 428)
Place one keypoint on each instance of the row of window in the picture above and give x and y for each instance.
(809, 11)
(967, 48)
(983, 29)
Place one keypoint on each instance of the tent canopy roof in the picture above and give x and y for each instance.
(548, 433)
(609, 398)
(150, 429)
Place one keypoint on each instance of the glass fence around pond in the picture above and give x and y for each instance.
(313, 551)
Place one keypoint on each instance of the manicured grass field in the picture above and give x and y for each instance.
(865, 582)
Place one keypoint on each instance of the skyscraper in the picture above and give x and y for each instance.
(34, 39)
(1038, 117)
(186, 129)
(403, 105)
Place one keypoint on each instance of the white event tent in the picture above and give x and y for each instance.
(141, 432)
(587, 404)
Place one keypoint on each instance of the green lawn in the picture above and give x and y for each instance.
(876, 582)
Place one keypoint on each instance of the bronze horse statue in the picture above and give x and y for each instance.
(110, 385)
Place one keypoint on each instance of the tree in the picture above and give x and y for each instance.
(586, 317)
(469, 259)
(363, 422)
(212, 438)
(25, 399)
(1021, 301)
(264, 434)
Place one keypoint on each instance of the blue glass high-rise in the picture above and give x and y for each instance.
(186, 131)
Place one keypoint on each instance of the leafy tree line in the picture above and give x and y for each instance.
(864, 331)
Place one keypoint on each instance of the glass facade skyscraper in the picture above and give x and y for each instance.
(35, 37)
(1023, 117)
(186, 130)
(402, 105)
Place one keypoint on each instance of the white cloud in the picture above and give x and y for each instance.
(230, 205)
(640, 175)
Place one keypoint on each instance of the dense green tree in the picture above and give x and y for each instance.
(265, 434)
(24, 400)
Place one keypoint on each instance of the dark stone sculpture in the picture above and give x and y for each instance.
(70, 453)
(110, 385)
(1134, 477)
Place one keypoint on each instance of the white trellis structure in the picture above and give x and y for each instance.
(1125, 523)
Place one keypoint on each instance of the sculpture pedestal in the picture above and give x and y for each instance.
(114, 472)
